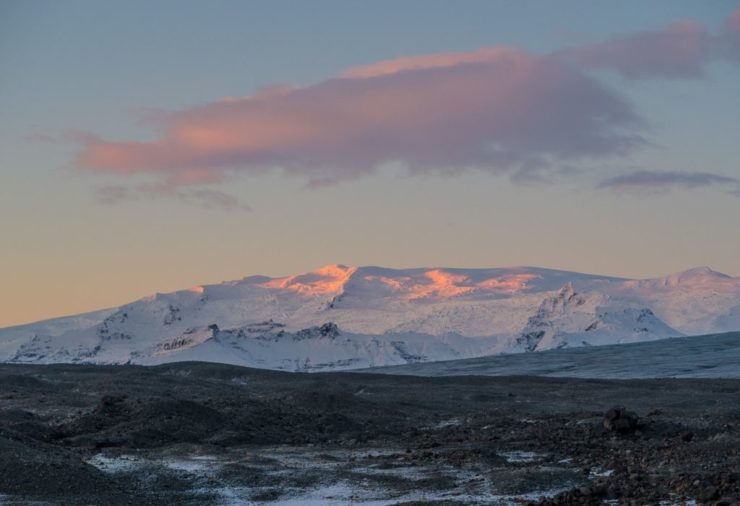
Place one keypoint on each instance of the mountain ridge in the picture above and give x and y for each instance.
(384, 316)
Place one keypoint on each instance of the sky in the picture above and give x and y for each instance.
(150, 146)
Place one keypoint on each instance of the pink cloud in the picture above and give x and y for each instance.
(502, 110)
(431, 61)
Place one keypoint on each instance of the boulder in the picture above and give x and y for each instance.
(621, 421)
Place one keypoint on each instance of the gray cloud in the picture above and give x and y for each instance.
(662, 181)
(203, 197)
(680, 50)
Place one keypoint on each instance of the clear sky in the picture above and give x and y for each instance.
(152, 145)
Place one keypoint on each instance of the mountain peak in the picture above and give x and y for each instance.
(702, 271)
(697, 275)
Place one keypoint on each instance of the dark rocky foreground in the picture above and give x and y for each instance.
(197, 433)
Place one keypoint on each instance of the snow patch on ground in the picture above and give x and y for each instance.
(345, 476)
(521, 457)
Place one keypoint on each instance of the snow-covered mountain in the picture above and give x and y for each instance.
(341, 317)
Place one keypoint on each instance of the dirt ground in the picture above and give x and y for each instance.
(197, 433)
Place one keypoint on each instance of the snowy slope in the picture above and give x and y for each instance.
(341, 317)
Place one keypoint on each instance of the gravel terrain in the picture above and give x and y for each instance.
(198, 433)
